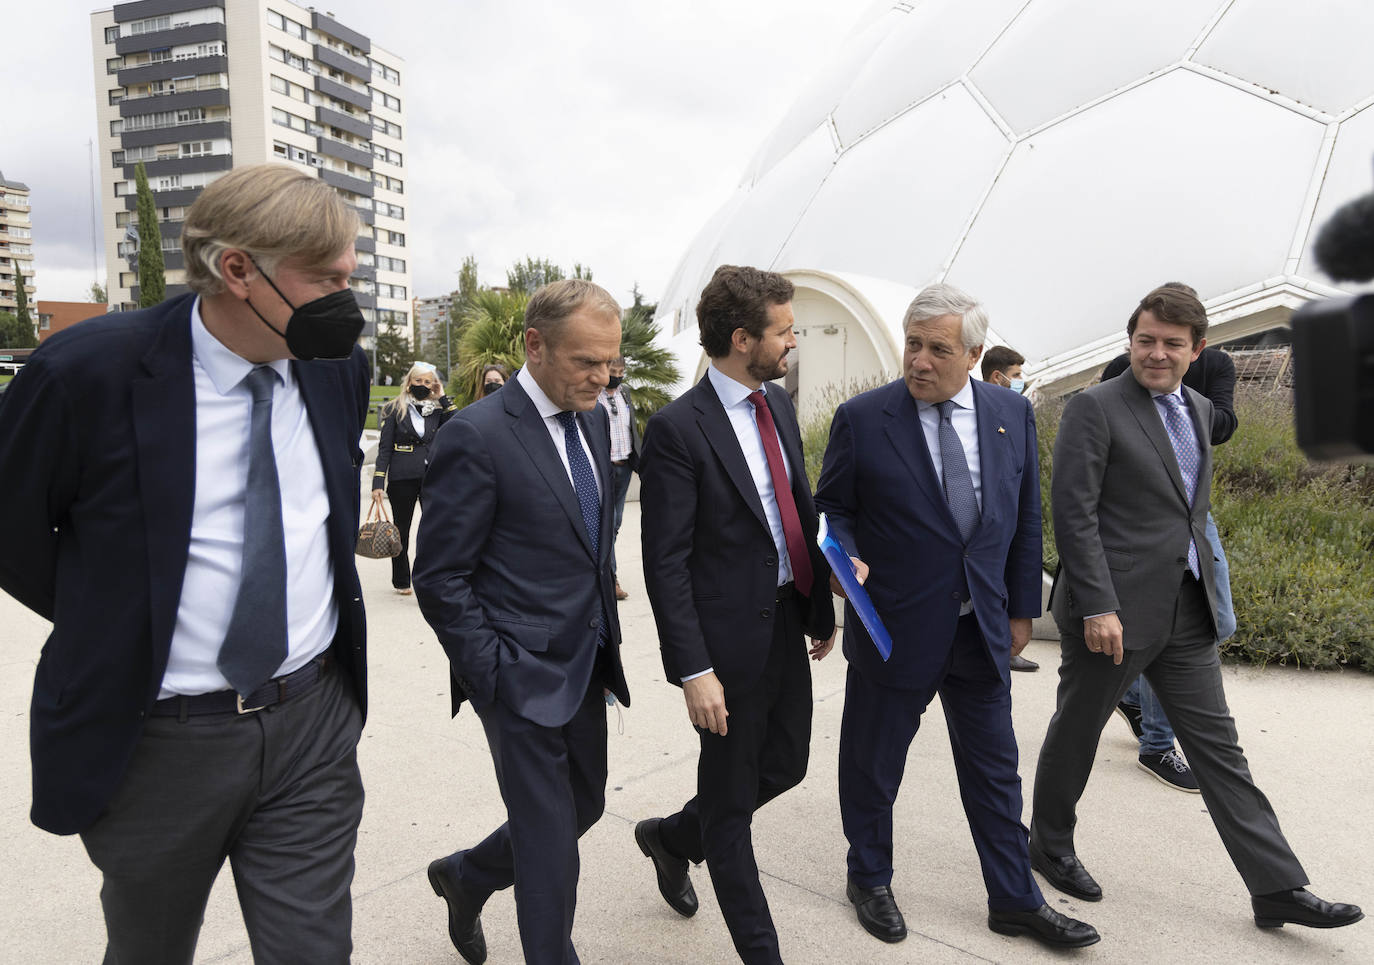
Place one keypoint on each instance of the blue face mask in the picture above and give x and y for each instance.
(1018, 386)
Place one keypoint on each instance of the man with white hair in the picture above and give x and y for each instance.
(931, 483)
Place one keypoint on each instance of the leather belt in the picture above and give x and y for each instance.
(403, 448)
(276, 691)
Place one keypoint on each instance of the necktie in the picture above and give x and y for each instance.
(588, 500)
(959, 494)
(1184, 440)
(255, 644)
(782, 492)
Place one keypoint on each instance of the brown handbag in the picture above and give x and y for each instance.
(378, 538)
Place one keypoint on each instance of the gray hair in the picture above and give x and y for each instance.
(939, 300)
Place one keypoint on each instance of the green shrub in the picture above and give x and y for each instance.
(1298, 536)
(815, 423)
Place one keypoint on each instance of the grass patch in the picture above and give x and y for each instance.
(381, 394)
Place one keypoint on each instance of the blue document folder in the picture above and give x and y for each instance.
(844, 571)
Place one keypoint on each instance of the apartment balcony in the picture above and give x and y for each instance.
(357, 126)
(175, 197)
(342, 92)
(213, 97)
(365, 244)
(194, 33)
(167, 69)
(172, 290)
(367, 216)
(329, 25)
(182, 165)
(343, 152)
(195, 131)
(343, 63)
(346, 182)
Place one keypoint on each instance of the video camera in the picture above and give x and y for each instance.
(1333, 344)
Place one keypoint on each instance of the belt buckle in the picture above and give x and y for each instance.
(238, 700)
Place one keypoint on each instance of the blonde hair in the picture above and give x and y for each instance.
(271, 211)
(403, 398)
(552, 304)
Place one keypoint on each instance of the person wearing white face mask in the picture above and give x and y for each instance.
(1002, 366)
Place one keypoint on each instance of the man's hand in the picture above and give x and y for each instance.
(706, 703)
(819, 648)
(860, 572)
(1020, 634)
(1103, 635)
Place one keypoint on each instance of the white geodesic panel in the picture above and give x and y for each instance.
(935, 163)
(1347, 176)
(681, 290)
(1061, 54)
(933, 45)
(1314, 51)
(1093, 212)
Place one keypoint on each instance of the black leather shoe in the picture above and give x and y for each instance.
(1046, 926)
(1020, 663)
(878, 911)
(673, 883)
(1301, 907)
(1067, 874)
(464, 913)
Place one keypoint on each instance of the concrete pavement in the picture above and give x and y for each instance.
(1171, 892)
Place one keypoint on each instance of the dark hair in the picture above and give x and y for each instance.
(738, 297)
(999, 358)
(1175, 304)
(482, 378)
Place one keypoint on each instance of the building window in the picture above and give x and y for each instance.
(111, 34)
(160, 56)
(116, 96)
(113, 65)
(150, 25)
(280, 85)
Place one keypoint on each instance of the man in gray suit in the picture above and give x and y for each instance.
(1135, 595)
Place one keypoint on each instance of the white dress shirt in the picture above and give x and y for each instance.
(214, 560)
(548, 411)
(964, 418)
(417, 420)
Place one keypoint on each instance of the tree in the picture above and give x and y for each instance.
(493, 332)
(528, 276)
(21, 301)
(152, 276)
(650, 370)
(98, 294)
(16, 334)
(393, 353)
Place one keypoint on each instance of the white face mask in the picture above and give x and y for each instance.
(1018, 386)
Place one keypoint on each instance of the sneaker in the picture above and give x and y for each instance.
(1170, 768)
(1131, 715)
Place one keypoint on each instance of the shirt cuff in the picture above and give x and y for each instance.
(700, 673)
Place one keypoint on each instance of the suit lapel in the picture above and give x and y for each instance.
(1204, 440)
(720, 435)
(318, 383)
(600, 444)
(784, 418)
(992, 448)
(164, 421)
(904, 431)
(533, 436)
(1142, 406)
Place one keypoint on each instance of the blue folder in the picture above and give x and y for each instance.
(844, 571)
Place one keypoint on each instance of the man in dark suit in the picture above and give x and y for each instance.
(513, 572)
(735, 580)
(1135, 595)
(625, 447)
(932, 482)
(179, 496)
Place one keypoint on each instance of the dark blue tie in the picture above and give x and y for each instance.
(255, 644)
(588, 499)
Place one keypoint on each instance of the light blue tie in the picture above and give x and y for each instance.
(588, 500)
(1186, 451)
(959, 494)
(255, 644)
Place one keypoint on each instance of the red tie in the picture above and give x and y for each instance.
(782, 492)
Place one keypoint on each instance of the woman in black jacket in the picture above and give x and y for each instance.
(408, 424)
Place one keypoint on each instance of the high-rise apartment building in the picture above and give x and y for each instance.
(16, 244)
(193, 88)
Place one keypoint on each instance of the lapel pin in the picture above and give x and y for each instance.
(1001, 430)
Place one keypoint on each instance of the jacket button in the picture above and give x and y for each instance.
(956, 596)
(593, 624)
(770, 562)
(765, 613)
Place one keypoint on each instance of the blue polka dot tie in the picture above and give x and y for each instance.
(588, 499)
(1186, 451)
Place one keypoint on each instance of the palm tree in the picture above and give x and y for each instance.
(650, 370)
(492, 330)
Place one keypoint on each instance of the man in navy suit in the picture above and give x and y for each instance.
(736, 580)
(179, 496)
(931, 483)
(513, 572)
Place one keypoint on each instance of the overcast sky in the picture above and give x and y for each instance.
(599, 131)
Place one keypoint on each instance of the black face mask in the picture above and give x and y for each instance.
(326, 328)
(615, 381)
(419, 392)
(489, 387)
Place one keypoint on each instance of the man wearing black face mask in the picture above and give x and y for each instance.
(615, 398)
(179, 489)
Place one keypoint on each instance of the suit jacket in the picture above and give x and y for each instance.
(1121, 515)
(504, 569)
(1213, 374)
(97, 488)
(710, 563)
(411, 462)
(886, 506)
(636, 440)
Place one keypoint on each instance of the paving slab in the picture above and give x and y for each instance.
(1171, 892)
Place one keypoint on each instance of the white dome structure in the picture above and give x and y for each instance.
(1056, 159)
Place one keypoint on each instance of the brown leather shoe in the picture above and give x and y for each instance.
(620, 594)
